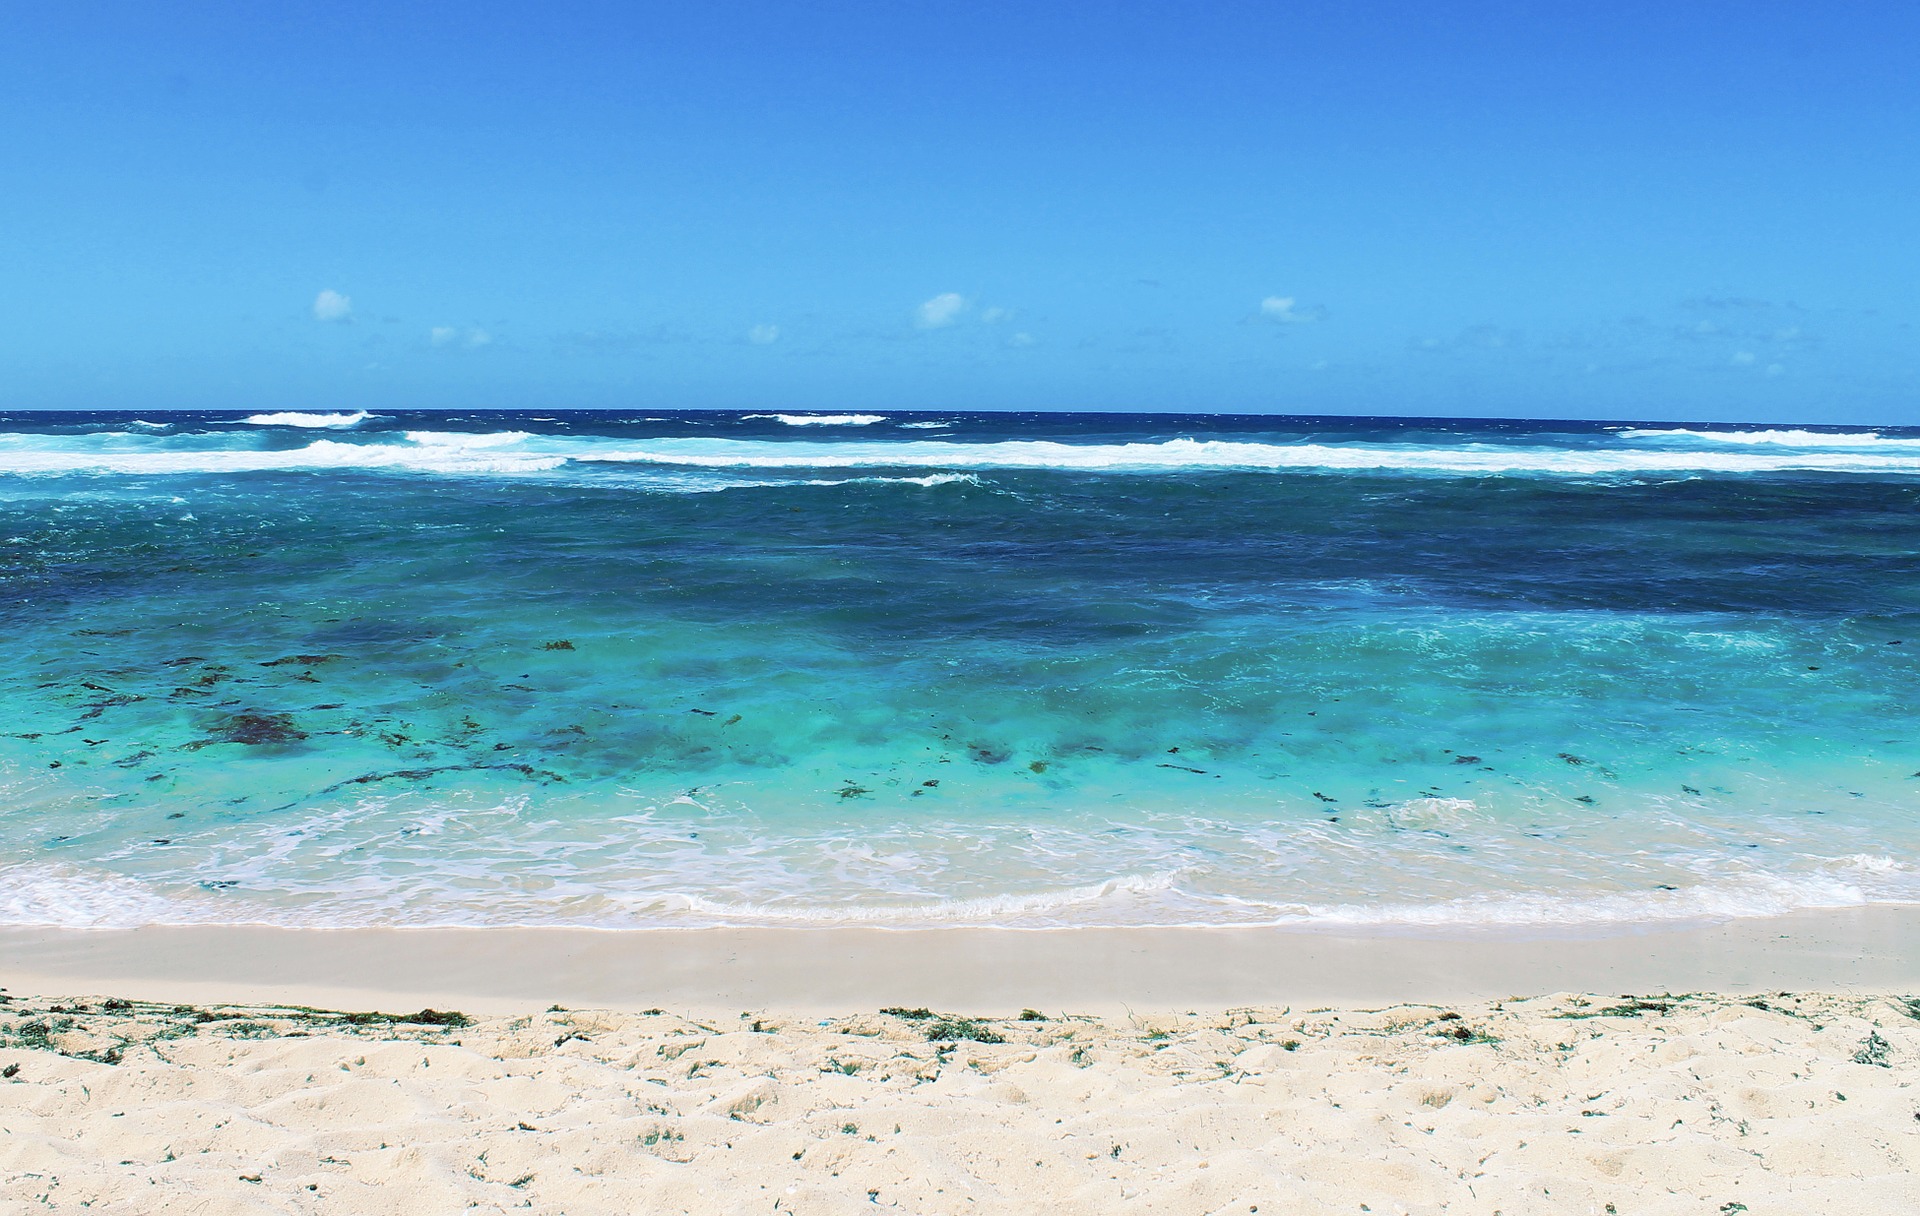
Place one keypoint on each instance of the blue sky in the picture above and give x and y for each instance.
(1692, 211)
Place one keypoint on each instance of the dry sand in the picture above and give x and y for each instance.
(1552, 1105)
(1269, 1088)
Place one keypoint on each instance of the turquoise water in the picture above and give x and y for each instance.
(696, 669)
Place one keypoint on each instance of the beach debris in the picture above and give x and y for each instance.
(912, 1015)
(1633, 1008)
(560, 644)
(951, 1029)
(1874, 1050)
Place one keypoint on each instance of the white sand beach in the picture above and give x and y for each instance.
(1558, 1104)
(129, 1091)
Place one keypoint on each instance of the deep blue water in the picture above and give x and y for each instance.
(696, 668)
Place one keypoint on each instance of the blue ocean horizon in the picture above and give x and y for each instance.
(643, 669)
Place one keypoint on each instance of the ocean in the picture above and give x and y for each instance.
(633, 670)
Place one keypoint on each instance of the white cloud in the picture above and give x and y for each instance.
(1022, 339)
(1776, 369)
(993, 316)
(448, 335)
(330, 305)
(941, 311)
(1742, 358)
(764, 335)
(1287, 310)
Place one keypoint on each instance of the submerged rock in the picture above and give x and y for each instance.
(254, 729)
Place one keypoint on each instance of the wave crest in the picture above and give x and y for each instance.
(822, 419)
(308, 420)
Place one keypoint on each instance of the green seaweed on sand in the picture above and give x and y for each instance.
(947, 1030)
(1874, 1050)
(1632, 1007)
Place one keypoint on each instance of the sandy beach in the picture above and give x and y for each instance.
(1785, 1104)
(851, 1083)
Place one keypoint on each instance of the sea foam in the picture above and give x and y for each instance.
(308, 420)
(1230, 455)
(1781, 438)
(822, 419)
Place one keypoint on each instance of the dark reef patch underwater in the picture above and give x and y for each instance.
(699, 668)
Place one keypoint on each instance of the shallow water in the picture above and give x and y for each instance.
(540, 668)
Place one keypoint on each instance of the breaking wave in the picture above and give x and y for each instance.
(823, 419)
(308, 420)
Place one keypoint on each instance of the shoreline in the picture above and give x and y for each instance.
(972, 971)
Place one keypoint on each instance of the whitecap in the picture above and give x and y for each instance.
(320, 455)
(1237, 455)
(463, 439)
(1784, 438)
(822, 419)
(308, 420)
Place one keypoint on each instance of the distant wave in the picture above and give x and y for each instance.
(1194, 454)
(1788, 438)
(929, 481)
(309, 420)
(514, 452)
(459, 439)
(823, 419)
(324, 454)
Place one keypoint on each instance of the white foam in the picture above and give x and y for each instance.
(929, 481)
(1784, 438)
(925, 426)
(1733, 898)
(519, 452)
(993, 909)
(67, 897)
(823, 419)
(320, 455)
(1226, 455)
(463, 439)
(308, 420)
